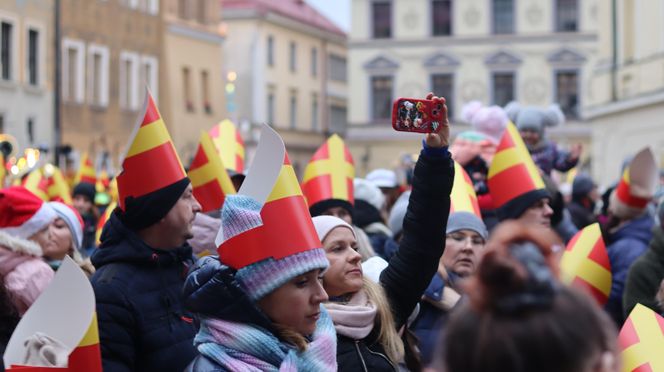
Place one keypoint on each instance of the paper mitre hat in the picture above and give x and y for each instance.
(229, 144)
(209, 177)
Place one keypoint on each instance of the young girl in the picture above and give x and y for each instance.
(368, 317)
(66, 238)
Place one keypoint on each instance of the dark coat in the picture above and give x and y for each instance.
(142, 323)
(627, 244)
(645, 276)
(414, 264)
(581, 215)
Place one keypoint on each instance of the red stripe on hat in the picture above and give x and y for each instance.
(149, 171)
(239, 164)
(85, 359)
(210, 195)
(624, 195)
(318, 189)
(599, 255)
(151, 112)
(287, 228)
(598, 295)
(512, 182)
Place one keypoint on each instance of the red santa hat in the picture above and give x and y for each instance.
(22, 213)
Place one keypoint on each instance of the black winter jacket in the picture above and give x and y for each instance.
(142, 323)
(414, 264)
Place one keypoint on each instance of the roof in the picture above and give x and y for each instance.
(297, 10)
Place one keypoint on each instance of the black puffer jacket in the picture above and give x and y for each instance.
(142, 323)
(410, 270)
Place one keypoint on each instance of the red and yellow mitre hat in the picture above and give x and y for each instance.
(514, 180)
(636, 187)
(37, 183)
(57, 187)
(640, 341)
(266, 231)
(229, 144)
(70, 320)
(463, 197)
(86, 171)
(585, 263)
(152, 177)
(208, 176)
(328, 178)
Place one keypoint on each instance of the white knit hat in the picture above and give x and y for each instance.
(73, 220)
(325, 224)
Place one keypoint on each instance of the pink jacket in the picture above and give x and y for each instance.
(25, 274)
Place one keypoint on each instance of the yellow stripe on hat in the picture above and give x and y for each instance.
(515, 155)
(213, 169)
(336, 166)
(463, 194)
(227, 144)
(576, 262)
(651, 338)
(286, 185)
(148, 137)
(92, 335)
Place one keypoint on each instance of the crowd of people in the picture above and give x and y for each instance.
(456, 270)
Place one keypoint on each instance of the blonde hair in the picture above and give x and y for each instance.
(290, 336)
(388, 336)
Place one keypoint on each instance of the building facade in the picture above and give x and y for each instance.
(290, 64)
(111, 50)
(192, 59)
(536, 52)
(626, 101)
(26, 72)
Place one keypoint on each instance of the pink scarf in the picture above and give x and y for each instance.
(355, 318)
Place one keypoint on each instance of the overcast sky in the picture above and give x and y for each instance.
(338, 11)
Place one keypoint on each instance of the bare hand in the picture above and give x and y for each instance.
(442, 138)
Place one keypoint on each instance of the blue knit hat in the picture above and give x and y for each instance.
(241, 214)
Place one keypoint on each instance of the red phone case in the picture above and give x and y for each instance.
(417, 115)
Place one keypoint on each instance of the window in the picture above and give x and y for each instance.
(6, 33)
(153, 7)
(566, 15)
(31, 130)
(98, 75)
(293, 110)
(205, 91)
(182, 9)
(129, 71)
(186, 89)
(382, 19)
(503, 88)
(314, 62)
(337, 68)
(381, 94)
(337, 118)
(293, 56)
(150, 75)
(441, 17)
(270, 50)
(567, 85)
(33, 57)
(201, 16)
(503, 16)
(314, 112)
(73, 68)
(442, 85)
(270, 108)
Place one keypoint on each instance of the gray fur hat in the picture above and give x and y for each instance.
(533, 118)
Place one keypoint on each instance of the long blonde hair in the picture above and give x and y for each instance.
(388, 336)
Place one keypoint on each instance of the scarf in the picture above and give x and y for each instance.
(245, 347)
(355, 318)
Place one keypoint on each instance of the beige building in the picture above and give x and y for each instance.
(110, 51)
(536, 52)
(626, 99)
(193, 66)
(26, 72)
(290, 63)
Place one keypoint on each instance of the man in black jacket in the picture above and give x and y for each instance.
(143, 259)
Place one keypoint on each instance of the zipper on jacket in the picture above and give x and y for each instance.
(384, 357)
(359, 354)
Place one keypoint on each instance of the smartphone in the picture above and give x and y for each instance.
(417, 115)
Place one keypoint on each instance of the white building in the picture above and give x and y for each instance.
(26, 55)
(534, 51)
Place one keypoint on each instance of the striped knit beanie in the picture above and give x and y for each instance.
(241, 213)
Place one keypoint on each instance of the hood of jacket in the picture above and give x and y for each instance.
(638, 229)
(211, 290)
(19, 245)
(120, 244)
